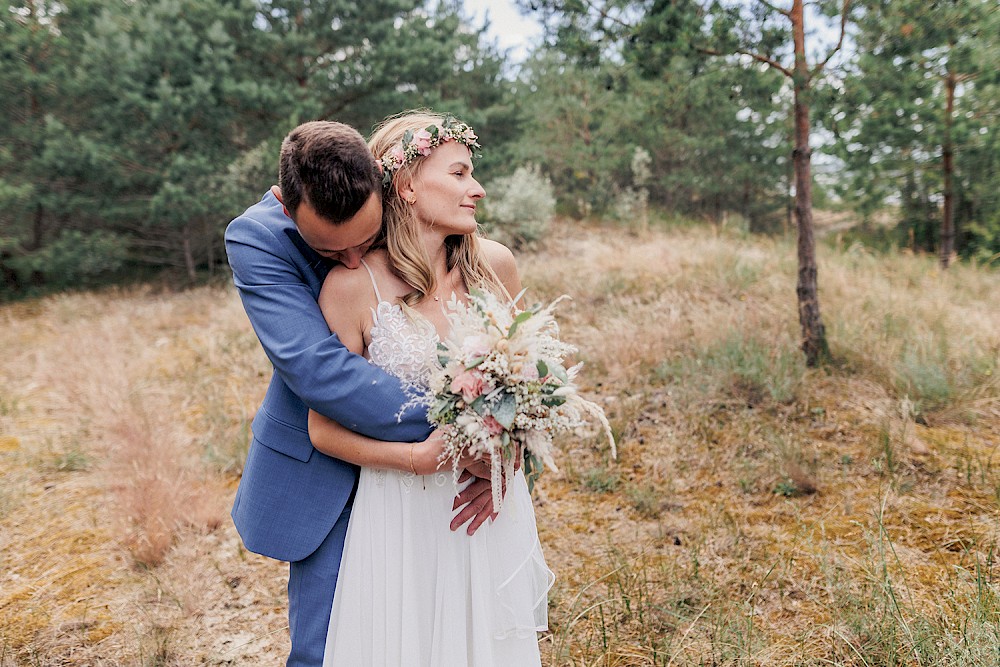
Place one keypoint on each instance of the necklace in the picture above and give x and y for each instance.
(449, 280)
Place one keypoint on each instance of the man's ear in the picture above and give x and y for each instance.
(276, 191)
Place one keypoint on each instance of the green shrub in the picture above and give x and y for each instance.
(983, 238)
(935, 379)
(247, 177)
(75, 258)
(519, 207)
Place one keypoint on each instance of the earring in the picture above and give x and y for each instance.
(411, 200)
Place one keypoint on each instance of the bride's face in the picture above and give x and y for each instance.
(444, 192)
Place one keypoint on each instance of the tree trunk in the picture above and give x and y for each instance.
(813, 333)
(189, 256)
(789, 202)
(38, 228)
(948, 159)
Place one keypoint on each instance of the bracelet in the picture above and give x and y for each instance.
(412, 469)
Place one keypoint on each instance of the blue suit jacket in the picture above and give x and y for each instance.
(290, 494)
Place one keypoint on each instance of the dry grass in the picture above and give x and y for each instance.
(760, 513)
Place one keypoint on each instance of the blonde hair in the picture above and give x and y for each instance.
(408, 258)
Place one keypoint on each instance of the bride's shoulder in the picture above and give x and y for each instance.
(378, 261)
(499, 257)
(347, 287)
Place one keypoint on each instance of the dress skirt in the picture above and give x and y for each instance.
(412, 592)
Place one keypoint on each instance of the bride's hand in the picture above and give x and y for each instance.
(475, 501)
(427, 454)
(482, 466)
(424, 459)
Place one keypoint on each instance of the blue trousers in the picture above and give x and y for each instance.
(311, 584)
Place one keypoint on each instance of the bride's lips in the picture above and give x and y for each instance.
(471, 207)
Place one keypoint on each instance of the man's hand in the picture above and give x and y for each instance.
(477, 498)
(476, 501)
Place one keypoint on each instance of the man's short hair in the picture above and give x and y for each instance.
(328, 165)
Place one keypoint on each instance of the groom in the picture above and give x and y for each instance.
(293, 502)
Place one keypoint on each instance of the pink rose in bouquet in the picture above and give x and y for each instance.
(493, 427)
(471, 385)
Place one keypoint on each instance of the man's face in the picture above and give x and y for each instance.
(347, 242)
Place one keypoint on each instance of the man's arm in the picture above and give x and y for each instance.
(311, 361)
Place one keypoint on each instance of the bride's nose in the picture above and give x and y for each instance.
(477, 191)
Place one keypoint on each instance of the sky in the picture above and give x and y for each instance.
(520, 33)
(508, 27)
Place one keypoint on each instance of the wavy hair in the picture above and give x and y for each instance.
(401, 229)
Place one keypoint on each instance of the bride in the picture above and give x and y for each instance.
(411, 591)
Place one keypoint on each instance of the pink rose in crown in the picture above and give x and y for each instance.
(493, 427)
(398, 156)
(422, 142)
(470, 384)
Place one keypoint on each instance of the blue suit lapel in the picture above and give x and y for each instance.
(318, 265)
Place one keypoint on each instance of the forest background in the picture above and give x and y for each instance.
(648, 158)
(133, 131)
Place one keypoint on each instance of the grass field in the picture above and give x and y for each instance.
(759, 513)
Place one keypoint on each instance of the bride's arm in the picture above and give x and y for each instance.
(334, 440)
(344, 301)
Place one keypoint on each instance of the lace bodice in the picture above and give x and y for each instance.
(407, 348)
(401, 345)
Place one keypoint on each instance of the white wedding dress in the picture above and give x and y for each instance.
(412, 592)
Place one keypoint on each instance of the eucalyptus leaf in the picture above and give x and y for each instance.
(505, 410)
(560, 373)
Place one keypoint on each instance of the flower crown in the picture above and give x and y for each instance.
(421, 142)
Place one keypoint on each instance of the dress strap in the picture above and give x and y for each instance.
(372, 276)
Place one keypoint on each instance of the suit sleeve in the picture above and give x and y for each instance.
(312, 362)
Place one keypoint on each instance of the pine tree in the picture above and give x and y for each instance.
(39, 192)
(760, 33)
(919, 109)
(155, 122)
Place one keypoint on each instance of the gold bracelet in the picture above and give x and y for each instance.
(412, 469)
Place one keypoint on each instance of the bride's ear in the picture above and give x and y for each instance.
(406, 192)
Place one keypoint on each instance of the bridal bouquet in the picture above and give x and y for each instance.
(503, 384)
